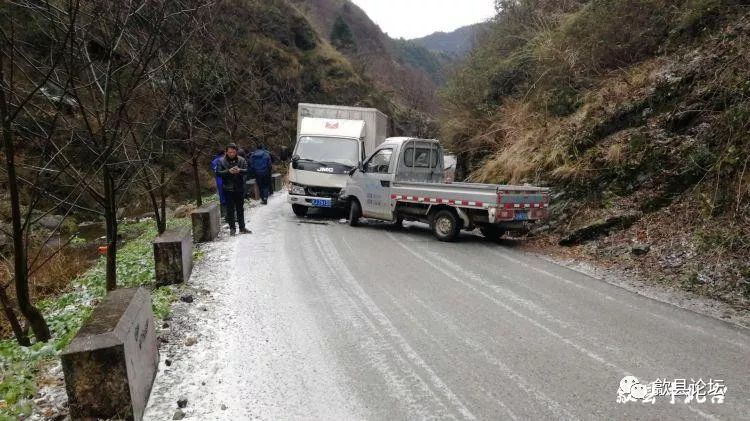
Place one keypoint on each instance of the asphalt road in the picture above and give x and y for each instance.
(313, 319)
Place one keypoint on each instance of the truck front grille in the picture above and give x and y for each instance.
(332, 192)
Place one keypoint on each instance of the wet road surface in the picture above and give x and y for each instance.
(313, 319)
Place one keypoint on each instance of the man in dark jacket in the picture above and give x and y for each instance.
(232, 170)
(260, 161)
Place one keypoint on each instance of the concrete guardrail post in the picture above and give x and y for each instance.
(111, 363)
(206, 222)
(173, 256)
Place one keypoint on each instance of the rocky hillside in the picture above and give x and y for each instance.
(457, 43)
(636, 113)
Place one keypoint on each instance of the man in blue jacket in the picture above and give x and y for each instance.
(260, 161)
(219, 182)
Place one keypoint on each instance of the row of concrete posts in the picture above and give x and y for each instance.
(111, 363)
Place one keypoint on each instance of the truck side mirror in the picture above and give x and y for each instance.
(295, 160)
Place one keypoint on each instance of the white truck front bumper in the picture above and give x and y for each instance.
(309, 201)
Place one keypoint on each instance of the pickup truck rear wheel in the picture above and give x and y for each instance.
(492, 232)
(299, 210)
(355, 212)
(445, 225)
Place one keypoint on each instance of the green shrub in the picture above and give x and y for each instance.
(560, 101)
(341, 35)
(698, 16)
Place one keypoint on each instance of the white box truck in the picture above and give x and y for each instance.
(331, 141)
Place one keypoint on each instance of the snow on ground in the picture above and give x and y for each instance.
(257, 352)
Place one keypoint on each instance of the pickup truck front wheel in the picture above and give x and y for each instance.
(445, 225)
(355, 212)
(299, 210)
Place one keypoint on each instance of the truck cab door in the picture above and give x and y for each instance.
(375, 182)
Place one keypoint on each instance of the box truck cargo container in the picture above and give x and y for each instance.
(376, 123)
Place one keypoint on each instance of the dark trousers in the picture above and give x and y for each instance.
(264, 185)
(235, 208)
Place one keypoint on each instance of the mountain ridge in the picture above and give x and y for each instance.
(456, 43)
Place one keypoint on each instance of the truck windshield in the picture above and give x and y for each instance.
(329, 150)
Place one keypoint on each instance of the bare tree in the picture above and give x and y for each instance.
(21, 337)
(23, 80)
(195, 85)
(172, 135)
(113, 59)
(73, 86)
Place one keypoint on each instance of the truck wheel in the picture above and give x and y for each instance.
(492, 232)
(299, 210)
(445, 225)
(355, 212)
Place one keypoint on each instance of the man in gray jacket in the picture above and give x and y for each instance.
(232, 169)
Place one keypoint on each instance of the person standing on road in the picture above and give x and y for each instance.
(261, 164)
(219, 182)
(232, 169)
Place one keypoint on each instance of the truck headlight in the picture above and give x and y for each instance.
(297, 190)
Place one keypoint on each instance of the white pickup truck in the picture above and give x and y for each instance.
(403, 180)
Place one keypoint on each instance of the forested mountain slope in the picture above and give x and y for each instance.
(274, 60)
(407, 71)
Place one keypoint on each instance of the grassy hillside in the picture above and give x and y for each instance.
(622, 106)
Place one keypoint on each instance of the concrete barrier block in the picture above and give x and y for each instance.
(253, 191)
(206, 223)
(111, 363)
(277, 182)
(173, 256)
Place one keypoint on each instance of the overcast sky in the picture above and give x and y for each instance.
(417, 18)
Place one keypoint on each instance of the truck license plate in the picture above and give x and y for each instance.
(522, 216)
(321, 203)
